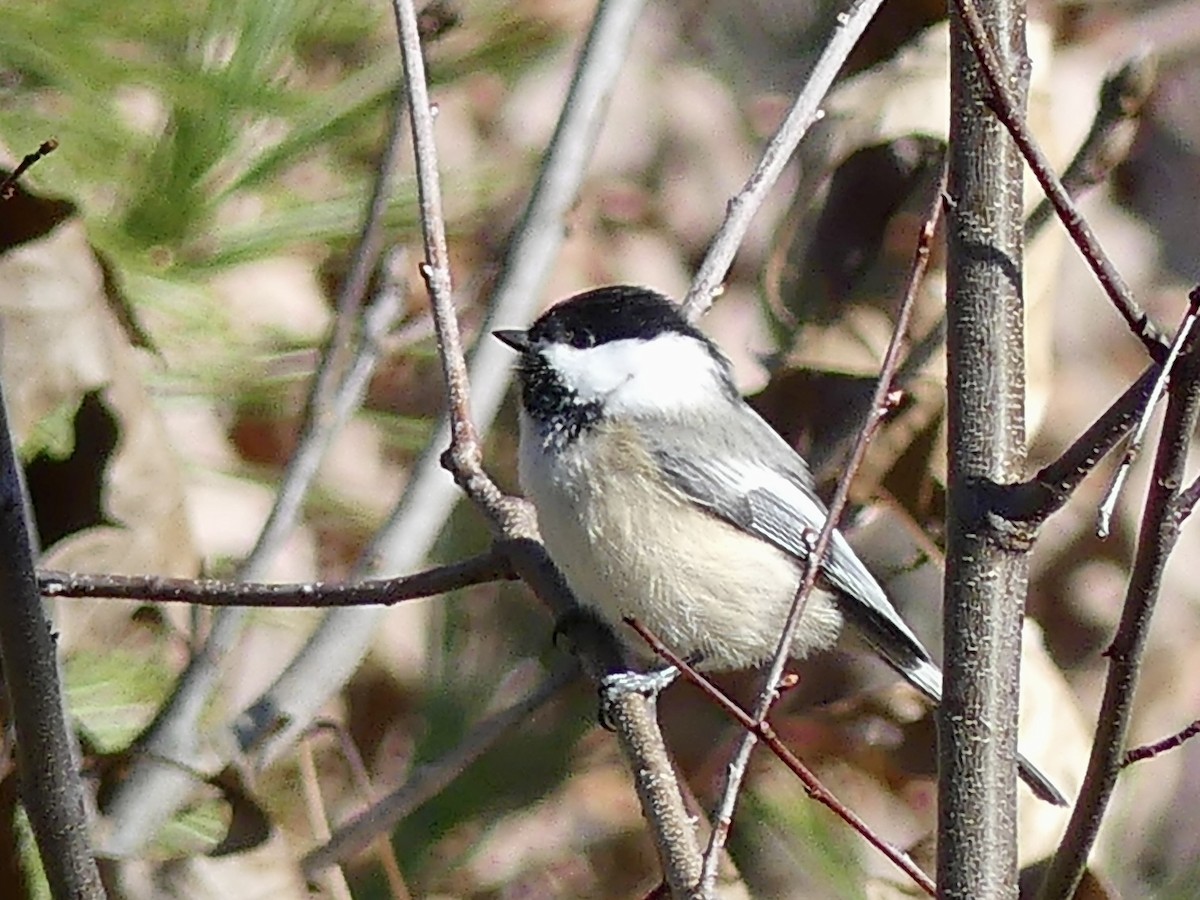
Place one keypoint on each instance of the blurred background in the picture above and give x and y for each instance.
(167, 278)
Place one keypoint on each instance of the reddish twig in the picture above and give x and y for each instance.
(880, 403)
(8, 186)
(763, 731)
(1001, 102)
(1149, 751)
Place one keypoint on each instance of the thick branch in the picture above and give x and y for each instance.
(51, 789)
(986, 573)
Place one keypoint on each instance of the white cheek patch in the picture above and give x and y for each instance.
(669, 372)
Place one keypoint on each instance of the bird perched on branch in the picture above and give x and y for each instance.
(662, 496)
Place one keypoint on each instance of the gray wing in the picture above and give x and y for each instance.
(752, 479)
(755, 481)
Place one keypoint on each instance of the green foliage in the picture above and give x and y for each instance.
(168, 115)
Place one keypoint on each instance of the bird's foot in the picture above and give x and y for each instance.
(615, 686)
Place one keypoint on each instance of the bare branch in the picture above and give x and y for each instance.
(1159, 533)
(1122, 96)
(1035, 500)
(805, 111)
(763, 731)
(1149, 751)
(632, 717)
(490, 566)
(880, 403)
(1139, 432)
(51, 790)
(429, 780)
(1008, 111)
(9, 185)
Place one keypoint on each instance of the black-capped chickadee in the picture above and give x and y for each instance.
(661, 495)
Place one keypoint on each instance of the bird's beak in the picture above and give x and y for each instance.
(515, 338)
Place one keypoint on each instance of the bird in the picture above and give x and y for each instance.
(663, 496)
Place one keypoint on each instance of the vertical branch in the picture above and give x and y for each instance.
(1161, 520)
(986, 564)
(632, 717)
(51, 789)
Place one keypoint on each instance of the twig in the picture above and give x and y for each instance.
(51, 790)
(490, 566)
(1149, 751)
(429, 780)
(804, 112)
(763, 731)
(879, 405)
(334, 881)
(1139, 432)
(1122, 96)
(8, 186)
(1034, 500)
(631, 717)
(1009, 113)
(1159, 532)
(361, 779)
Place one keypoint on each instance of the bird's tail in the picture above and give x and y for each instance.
(906, 655)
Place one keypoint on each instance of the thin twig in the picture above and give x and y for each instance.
(1033, 501)
(880, 403)
(490, 566)
(8, 186)
(361, 779)
(1149, 751)
(1134, 447)
(333, 880)
(1159, 533)
(805, 111)
(429, 780)
(763, 731)
(1122, 97)
(1009, 113)
(52, 792)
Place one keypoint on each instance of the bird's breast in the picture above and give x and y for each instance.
(630, 544)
